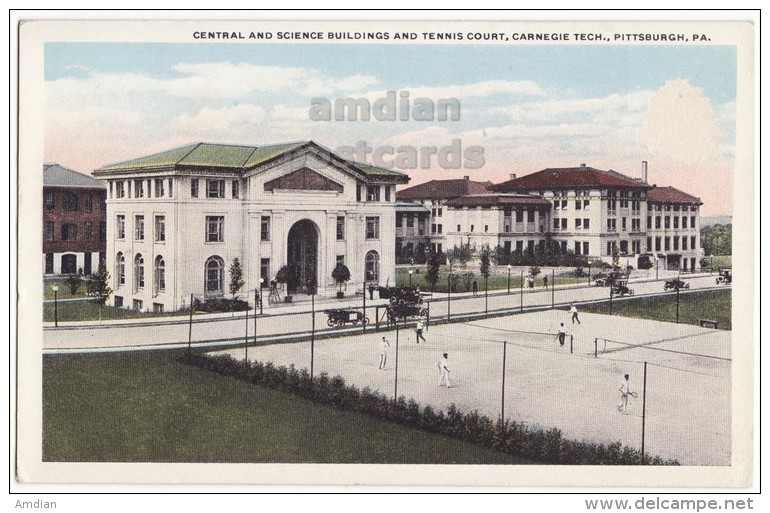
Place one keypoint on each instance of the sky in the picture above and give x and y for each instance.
(519, 109)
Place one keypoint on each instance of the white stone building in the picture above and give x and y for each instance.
(177, 220)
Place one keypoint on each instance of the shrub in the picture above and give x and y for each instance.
(515, 438)
(221, 304)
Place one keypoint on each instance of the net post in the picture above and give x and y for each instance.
(571, 340)
(596, 348)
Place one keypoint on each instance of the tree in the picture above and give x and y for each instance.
(615, 258)
(717, 239)
(462, 254)
(644, 262)
(236, 277)
(74, 282)
(98, 285)
(341, 274)
(434, 268)
(288, 274)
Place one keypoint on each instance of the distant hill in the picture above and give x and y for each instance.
(706, 221)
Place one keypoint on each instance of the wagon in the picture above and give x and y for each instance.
(341, 317)
(620, 288)
(675, 284)
(400, 295)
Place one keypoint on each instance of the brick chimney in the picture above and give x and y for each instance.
(513, 176)
(644, 171)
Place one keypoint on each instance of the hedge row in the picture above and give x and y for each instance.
(538, 445)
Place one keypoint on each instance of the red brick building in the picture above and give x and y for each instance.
(74, 221)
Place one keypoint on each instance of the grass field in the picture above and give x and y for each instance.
(149, 407)
(496, 281)
(713, 305)
(90, 311)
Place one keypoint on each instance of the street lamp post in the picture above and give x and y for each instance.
(55, 289)
(449, 293)
(521, 293)
(259, 296)
(410, 277)
(509, 278)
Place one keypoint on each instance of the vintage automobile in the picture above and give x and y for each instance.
(606, 280)
(400, 295)
(725, 276)
(403, 311)
(675, 284)
(340, 317)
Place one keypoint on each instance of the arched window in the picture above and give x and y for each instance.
(372, 267)
(120, 269)
(160, 274)
(215, 275)
(139, 271)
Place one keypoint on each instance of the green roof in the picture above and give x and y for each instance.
(235, 157)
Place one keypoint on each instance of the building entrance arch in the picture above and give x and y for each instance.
(302, 254)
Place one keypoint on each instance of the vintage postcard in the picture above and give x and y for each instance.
(395, 253)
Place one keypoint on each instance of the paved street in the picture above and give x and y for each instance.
(287, 320)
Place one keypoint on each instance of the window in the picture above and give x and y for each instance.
(578, 248)
(88, 229)
(410, 221)
(531, 215)
(372, 193)
(236, 189)
(692, 242)
(373, 227)
(48, 203)
(649, 222)
(624, 247)
(586, 204)
(564, 224)
(433, 228)
(519, 247)
(556, 204)
(120, 227)
(676, 243)
(49, 263)
(636, 224)
(48, 230)
(358, 192)
(578, 224)
(264, 233)
(215, 188)
(440, 209)
(612, 225)
(157, 308)
(138, 188)
(160, 228)
(89, 200)
(372, 266)
(264, 272)
(564, 204)
(139, 227)
(586, 224)
(118, 301)
(160, 274)
(556, 223)
(684, 243)
(120, 269)
(120, 189)
(667, 244)
(472, 228)
(102, 231)
(138, 271)
(387, 193)
(657, 243)
(70, 201)
(159, 192)
(399, 221)
(194, 187)
(340, 227)
(215, 275)
(138, 305)
(458, 228)
(692, 221)
(684, 221)
(439, 226)
(486, 228)
(667, 222)
(519, 215)
(585, 248)
(170, 187)
(578, 204)
(676, 222)
(215, 228)
(657, 222)
(341, 259)
(649, 243)
(69, 232)
(623, 223)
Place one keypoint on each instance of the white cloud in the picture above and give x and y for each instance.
(219, 121)
(680, 123)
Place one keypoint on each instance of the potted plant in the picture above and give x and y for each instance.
(289, 275)
(340, 274)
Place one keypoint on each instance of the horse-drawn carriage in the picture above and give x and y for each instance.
(620, 288)
(340, 317)
(675, 284)
(725, 276)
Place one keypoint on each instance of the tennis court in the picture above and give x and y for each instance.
(572, 387)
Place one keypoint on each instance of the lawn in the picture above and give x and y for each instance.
(150, 407)
(64, 291)
(90, 311)
(713, 304)
(497, 281)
